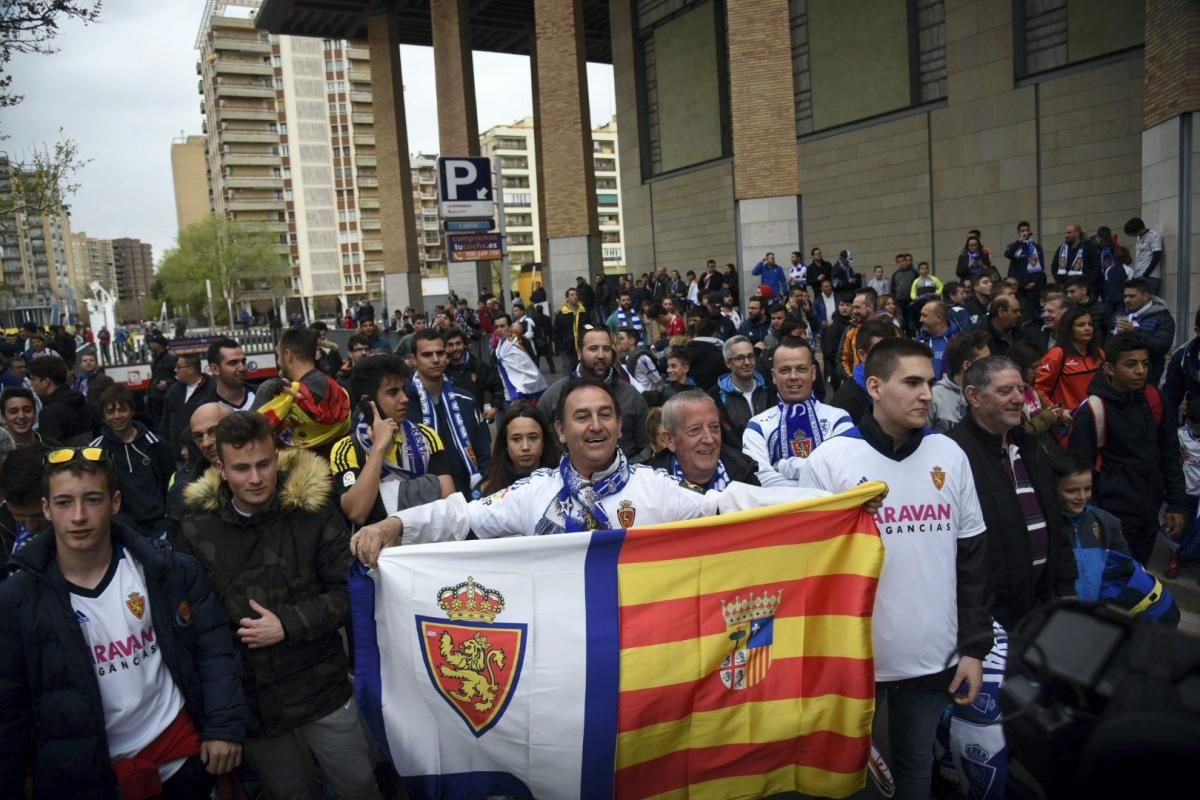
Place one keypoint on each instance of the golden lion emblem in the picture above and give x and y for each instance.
(474, 665)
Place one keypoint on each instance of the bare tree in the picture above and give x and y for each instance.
(29, 26)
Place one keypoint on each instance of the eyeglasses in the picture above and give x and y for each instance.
(742, 359)
(65, 455)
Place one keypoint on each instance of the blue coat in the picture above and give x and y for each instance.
(51, 715)
(772, 276)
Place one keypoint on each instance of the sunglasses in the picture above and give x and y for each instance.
(65, 455)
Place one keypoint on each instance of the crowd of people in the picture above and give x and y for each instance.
(175, 565)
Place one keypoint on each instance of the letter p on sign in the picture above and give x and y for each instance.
(465, 184)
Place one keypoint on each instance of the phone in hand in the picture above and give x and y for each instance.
(367, 409)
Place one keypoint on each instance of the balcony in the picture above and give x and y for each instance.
(358, 53)
(200, 87)
(226, 66)
(369, 224)
(372, 245)
(428, 195)
(364, 139)
(428, 224)
(368, 181)
(360, 75)
(258, 113)
(241, 44)
(255, 137)
(373, 266)
(260, 182)
(368, 202)
(365, 161)
(361, 97)
(243, 90)
(612, 253)
(359, 118)
(251, 159)
(264, 204)
(428, 180)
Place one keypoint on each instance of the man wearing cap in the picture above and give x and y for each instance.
(162, 374)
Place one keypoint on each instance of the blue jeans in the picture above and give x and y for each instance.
(913, 712)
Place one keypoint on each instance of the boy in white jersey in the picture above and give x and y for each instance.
(115, 658)
(932, 604)
(782, 437)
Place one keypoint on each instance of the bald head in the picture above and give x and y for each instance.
(203, 426)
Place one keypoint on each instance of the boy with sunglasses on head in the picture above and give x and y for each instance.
(115, 657)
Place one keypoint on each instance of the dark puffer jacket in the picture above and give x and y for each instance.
(1009, 560)
(51, 714)
(293, 558)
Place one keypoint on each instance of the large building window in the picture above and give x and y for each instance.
(836, 85)
(1048, 34)
(683, 71)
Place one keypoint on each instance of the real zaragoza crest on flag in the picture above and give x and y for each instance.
(725, 657)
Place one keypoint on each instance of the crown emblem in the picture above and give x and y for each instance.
(470, 600)
(751, 607)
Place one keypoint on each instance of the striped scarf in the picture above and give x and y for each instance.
(409, 461)
(799, 431)
(458, 428)
(576, 507)
(719, 480)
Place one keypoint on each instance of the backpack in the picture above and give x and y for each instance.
(1100, 419)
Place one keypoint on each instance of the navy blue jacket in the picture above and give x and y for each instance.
(477, 433)
(51, 715)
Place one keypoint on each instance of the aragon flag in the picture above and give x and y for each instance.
(726, 657)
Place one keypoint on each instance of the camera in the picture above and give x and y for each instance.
(1099, 703)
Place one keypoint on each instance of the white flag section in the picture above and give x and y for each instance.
(497, 634)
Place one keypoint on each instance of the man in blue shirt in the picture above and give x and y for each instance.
(771, 275)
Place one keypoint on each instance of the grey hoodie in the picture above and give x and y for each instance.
(949, 405)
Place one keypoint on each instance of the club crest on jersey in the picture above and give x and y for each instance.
(136, 604)
(802, 446)
(626, 514)
(183, 614)
(473, 661)
(939, 477)
(750, 624)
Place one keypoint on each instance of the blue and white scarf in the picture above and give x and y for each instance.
(975, 263)
(408, 461)
(576, 507)
(458, 429)
(720, 478)
(630, 319)
(799, 431)
(1075, 268)
(1033, 264)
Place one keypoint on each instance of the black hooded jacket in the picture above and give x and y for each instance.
(65, 418)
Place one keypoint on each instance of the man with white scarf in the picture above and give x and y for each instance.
(594, 487)
(780, 438)
(515, 362)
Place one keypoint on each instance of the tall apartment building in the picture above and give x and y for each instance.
(429, 241)
(189, 171)
(291, 148)
(513, 145)
(95, 260)
(36, 261)
(133, 263)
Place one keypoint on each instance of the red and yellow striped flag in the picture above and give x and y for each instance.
(746, 665)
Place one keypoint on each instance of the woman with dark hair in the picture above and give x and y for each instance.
(973, 261)
(524, 442)
(1068, 368)
(1039, 415)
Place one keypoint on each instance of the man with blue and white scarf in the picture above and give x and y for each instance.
(453, 413)
(696, 453)
(626, 316)
(780, 438)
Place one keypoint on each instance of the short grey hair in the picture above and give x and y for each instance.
(727, 348)
(672, 410)
(982, 372)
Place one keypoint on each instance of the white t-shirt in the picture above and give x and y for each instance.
(139, 695)
(915, 621)
(1148, 244)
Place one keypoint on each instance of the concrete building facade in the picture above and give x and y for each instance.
(291, 149)
(762, 126)
(133, 263)
(189, 173)
(36, 258)
(95, 260)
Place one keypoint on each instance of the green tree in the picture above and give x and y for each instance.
(237, 258)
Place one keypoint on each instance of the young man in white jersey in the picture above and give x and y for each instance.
(931, 625)
(782, 437)
(115, 658)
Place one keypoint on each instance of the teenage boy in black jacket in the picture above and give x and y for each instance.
(117, 667)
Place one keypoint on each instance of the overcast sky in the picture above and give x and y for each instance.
(125, 87)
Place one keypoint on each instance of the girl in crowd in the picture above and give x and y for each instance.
(1068, 368)
(524, 442)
